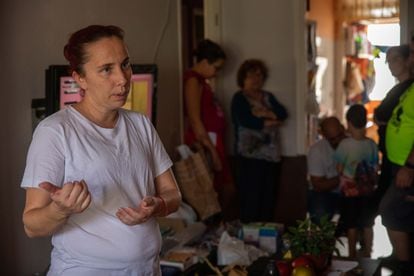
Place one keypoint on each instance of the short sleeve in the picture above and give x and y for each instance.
(315, 168)
(45, 158)
(340, 153)
(320, 160)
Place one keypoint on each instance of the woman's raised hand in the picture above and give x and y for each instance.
(72, 198)
(136, 215)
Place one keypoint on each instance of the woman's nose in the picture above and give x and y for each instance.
(122, 76)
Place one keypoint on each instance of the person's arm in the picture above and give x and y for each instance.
(242, 113)
(168, 192)
(166, 201)
(274, 116)
(277, 108)
(318, 170)
(324, 184)
(405, 175)
(47, 209)
(192, 94)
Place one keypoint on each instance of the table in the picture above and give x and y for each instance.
(366, 267)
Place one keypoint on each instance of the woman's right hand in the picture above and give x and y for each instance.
(205, 143)
(72, 198)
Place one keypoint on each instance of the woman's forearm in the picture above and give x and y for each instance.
(42, 222)
(168, 193)
(171, 200)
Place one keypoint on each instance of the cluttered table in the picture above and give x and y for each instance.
(200, 249)
(340, 267)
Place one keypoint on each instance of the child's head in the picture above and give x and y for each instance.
(357, 116)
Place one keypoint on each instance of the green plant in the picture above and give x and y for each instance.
(311, 238)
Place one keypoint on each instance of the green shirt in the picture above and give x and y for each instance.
(400, 129)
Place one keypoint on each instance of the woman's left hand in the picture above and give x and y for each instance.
(145, 210)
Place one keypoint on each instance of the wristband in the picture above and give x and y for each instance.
(164, 206)
(409, 165)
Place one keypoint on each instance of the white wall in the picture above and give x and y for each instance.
(33, 34)
(274, 32)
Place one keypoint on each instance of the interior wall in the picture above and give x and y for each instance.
(323, 11)
(33, 35)
(274, 32)
(406, 20)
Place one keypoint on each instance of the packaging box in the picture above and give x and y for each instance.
(250, 233)
(264, 235)
(268, 237)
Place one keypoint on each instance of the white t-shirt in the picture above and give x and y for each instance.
(119, 166)
(321, 160)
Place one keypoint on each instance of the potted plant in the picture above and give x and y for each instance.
(315, 240)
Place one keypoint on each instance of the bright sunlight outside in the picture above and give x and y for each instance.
(384, 35)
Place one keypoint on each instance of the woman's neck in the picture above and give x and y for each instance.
(105, 119)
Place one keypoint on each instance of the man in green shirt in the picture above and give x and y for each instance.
(397, 206)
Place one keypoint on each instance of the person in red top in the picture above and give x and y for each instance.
(204, 118)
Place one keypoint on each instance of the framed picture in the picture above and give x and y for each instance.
(142, 96)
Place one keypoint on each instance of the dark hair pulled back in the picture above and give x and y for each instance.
(74, 50)
(209, 50)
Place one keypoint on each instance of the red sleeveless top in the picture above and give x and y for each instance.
(212, 114)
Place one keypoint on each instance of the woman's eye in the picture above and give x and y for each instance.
(106, 69)
(126, 65)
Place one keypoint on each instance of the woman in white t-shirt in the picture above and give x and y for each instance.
(97, 175)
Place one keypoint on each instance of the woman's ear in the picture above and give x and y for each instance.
(79, 80)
